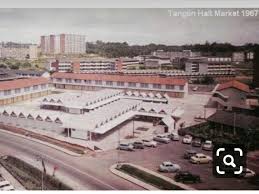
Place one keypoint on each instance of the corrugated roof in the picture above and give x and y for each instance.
(234, 84)
(122, 78)
(21, 83)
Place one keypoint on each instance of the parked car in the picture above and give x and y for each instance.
(196, 142)
(207, 145)
(189, 153)
(161, 139)
(125, 146)
(195, 88)
(247, 173)
(185, 176)
(174, 137)
(169, 167)
(138, 145)
(6, 186)
(149, 143)
(200, 159)
(4, 183)
(187, 139)
(254, 180)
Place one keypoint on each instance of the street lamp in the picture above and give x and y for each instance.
(39, 158)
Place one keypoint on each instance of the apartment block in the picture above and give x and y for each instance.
(209, 65)
(63, 44)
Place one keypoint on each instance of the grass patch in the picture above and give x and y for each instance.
(148, 178)
(29, 176)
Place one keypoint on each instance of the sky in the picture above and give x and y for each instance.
(135, 26)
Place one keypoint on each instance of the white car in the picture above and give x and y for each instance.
(174, 137)
(200, 159)
(247, 173)
(187, 139)
(169, 167)
(161, 139)
(126, 146)
(149, 143)
(207, 145)
(5, 186)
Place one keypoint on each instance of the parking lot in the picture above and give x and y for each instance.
(151, 158)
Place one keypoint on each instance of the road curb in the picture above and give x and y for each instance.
(131, 179)
(145, 185)
(43, 143)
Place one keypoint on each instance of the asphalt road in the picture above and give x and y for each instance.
(81, 172)
(92, 172)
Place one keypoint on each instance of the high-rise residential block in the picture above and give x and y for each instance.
(63, 44)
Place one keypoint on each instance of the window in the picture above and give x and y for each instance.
(68, 81)
(27, 89)
(157, 86)
(17, 91)
(88, 81)
(109, 83)
(59, 80)
(7, 92)
(35, 87)
(43, 86)
(132, 84)
(181, 87)
(143, 85)
(120, 83)
(98, 82)
(169, 87)
(77, 81)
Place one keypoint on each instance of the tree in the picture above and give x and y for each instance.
(14, 66)
(208, 80)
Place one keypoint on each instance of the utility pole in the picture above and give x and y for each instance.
(133, 127)
(39, 158)
(204, 112)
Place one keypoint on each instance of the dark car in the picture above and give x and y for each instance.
(187, 177)
(138, 145)
(189, 153)
(254, 180)
(196, 142)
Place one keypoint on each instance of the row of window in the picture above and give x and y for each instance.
(26, 89)
(119, 83)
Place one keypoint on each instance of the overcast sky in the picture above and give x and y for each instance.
(135, 26)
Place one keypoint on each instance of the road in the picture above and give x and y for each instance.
(92, 172)
(84, 172)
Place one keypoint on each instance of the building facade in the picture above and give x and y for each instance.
(22, 89)
(209, 65)
(19, 51)
(167, 85)
(82, 65)
(63, 44)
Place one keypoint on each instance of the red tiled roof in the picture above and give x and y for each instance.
(234, 84)
(122, 78)
(21, 83)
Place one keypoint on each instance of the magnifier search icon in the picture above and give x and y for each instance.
(231, 161)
